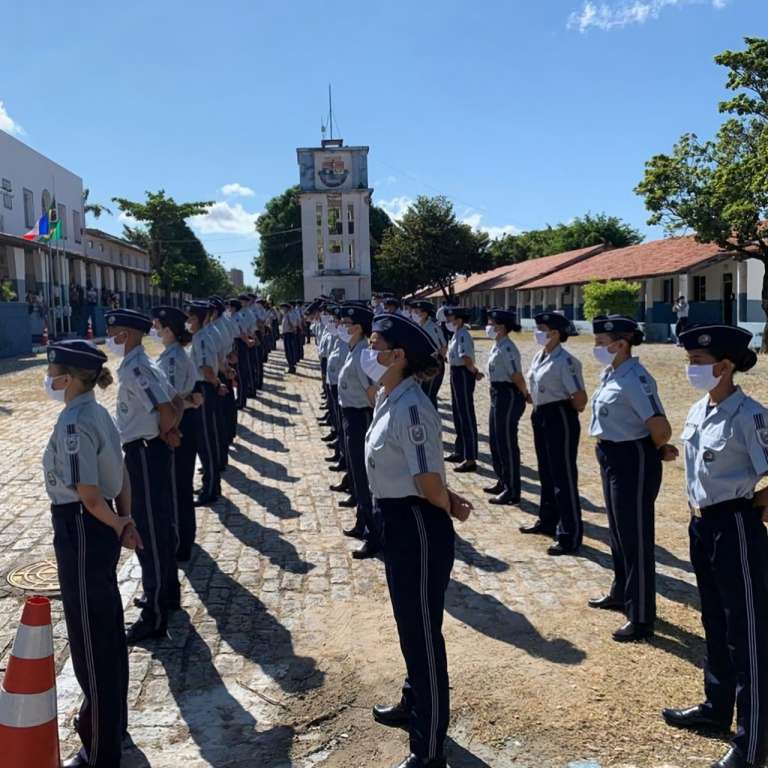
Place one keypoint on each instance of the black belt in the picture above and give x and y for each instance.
(730, 506)
(504, 385)
(140, 442)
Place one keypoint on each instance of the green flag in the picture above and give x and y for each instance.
(54, 233)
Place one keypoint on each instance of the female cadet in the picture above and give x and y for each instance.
(336, 358)
(508, 395)
(180, 371)
(464, 375)
(403, 451)
(725, 440)
(632, 431)
(356, 393)
(423, 312)
(84, 473)
(556, 391)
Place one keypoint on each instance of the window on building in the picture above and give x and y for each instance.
(320, 255)
(77, 227)
(699, 288)
(351, 254)
(335, 224)
(90, 243)
(350, 219)
(45, 201)
(63, 219)
(668, 291)
(29, 208)
(7, 194)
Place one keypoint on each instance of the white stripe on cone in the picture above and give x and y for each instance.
(33, 642)
(27, 710)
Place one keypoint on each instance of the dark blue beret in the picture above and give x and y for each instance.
(128, 318)
(245, 297)
(171, 315)
(424, 306)
(77, 354)
(553, 320)
(198, 308)
(357, 314)
(504, 316)
(234, 303)
(614, 324)
(462, 312)
(716, 338)
(403, 333)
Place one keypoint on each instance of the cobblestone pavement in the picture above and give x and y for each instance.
(284, 642)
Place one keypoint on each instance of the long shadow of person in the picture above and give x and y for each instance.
(223, 720)
(492, 618)
(271, 498)
(268, 541)
(268, 418)
(266, 443)
(466, 552)
(278, 392)
(276, 405)
(245, 624)
(461, 757)
(264, 466)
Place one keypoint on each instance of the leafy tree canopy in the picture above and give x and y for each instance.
(613, 297)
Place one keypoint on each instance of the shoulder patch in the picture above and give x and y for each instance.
(762, 436)
(72, 443)
(417, 434)
(645, 384)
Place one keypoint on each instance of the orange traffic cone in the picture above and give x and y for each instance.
(29, 731)
(89, 332)
(44, 340)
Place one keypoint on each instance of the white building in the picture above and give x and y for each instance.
(335, 232)
(237, 278)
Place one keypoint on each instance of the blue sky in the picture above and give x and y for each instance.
(523, 113)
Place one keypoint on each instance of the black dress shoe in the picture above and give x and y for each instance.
(329, 438)
(142, 602)
(392, 717)
(142, 630)
(348, 503)
(558, 549)
(75, 761)
(332, 459)
(695, 718)
(338, 468)
(733, 758)
(357, 532)
(494, 489)
(341, 487)
(412, 761)
(632, 633)
(536, 527)
(606, 603)
(505, 497)
(454, 458)
(466, 466)
(365, 552)
(206, 501)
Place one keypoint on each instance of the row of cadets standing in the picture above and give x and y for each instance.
(423, 313)
(289, 330)
(336, 356)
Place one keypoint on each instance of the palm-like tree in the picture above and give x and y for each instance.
(93, 208)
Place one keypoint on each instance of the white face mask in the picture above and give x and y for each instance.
(374, 370)
(188, 327)
(54, 394)
(344, 334)
(542, 337)
(154, 333)
(702, 377)
(490, 331)
(115, 348)
(450, 327)
(603, 355)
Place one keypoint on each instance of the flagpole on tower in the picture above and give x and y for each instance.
(330, 109)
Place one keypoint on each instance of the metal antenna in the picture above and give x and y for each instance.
(330, 108)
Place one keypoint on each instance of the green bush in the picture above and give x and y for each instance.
(614, 297)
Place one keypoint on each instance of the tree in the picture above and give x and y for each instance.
(429, 247)
(178, 260)
(613, 297)
(95, 209)
(719, 188)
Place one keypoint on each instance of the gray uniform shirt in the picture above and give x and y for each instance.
(353, 383)
(203, 353)
(404, 440)
(554, 377)
(142, 386)
(435, 332)
(178, 368)
(84, 448)
(726, 450)
(461, 345)
(504, 360)
(336, 359)
(626, 398)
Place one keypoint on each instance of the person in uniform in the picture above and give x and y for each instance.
(464, 375)
(556, 391)
(509, 393)
(336, 358)
(288, 332)
(404, 461)
(148, 416)
(178, 367)
(204, 357)
(224, 334)
(89, 489)
(356, 393)
(423, 313)
(725, 441)
(632, 433)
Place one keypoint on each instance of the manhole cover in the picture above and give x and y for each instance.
(35, 577)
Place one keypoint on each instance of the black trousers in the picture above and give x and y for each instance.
(183, 471)
(259, 358)
(339, 423)
(323, 372)
(631, 473)
(245, 384)
(355, 423)
(149, 466)
(87, 553)
(206, 435)
(463, 406)
(418, 555)
(289, 347)
(507, 406)
(228, 423)
(729, 554)
(432, 387)
(556, 433)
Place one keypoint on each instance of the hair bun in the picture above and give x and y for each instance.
(747, 360)
(638, 337)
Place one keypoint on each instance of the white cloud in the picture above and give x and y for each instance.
(223, 217)
(8, 124)
(236, 190)
(126, 218)
(608, 16)
(475, 221)
(396, 207)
